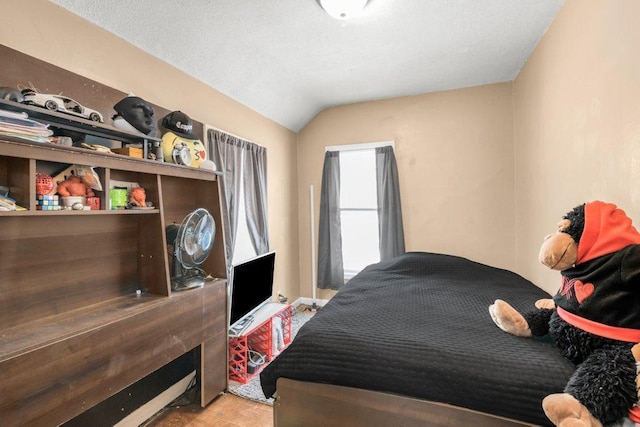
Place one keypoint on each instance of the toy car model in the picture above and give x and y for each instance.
(60, 103)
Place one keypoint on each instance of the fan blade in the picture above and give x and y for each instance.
(190, 241)
(204, 232)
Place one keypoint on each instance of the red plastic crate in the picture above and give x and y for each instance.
(259, 339)
(286, 316)
(238, 353)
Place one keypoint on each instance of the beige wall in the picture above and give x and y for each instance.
(487, 172)
(50, 33)
(455, 160)
(475, 164)
(577, 123)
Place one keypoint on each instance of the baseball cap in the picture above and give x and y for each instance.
(180, 124)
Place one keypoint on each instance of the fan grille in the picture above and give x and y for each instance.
(195, 238)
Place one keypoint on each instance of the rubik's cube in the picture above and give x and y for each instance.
(47, 202)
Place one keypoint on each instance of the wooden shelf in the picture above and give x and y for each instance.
(21, 339)
(73, 155)
(82, 212)
(74, 123)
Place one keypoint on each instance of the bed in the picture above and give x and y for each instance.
(410, 342)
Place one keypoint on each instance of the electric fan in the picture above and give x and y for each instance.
(191, 241)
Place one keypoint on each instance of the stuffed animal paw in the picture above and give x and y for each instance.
(563, 410)
(508, 319)
(545, 303)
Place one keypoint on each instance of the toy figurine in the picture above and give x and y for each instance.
(74, 186)
(138, 197)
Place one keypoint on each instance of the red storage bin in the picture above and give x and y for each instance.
(260, 340)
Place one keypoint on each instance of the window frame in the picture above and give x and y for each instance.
(348, 274)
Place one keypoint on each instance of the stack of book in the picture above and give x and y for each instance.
(19, 125)
(6, 202)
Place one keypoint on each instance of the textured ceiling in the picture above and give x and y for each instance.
(288, 60)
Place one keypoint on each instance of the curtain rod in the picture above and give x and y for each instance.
(207, 127)
(360, 146)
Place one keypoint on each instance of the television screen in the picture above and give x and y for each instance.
(252, 285)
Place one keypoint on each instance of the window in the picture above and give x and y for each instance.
(358, 210)
(243, 248)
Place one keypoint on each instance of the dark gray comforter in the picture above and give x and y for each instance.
(419, 326)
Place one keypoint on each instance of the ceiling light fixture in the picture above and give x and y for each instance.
(343, 9)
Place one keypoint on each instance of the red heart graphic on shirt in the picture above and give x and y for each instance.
(583, 290)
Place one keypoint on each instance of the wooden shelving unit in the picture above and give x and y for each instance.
(86, 307)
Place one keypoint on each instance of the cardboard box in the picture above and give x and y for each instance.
(129, 151)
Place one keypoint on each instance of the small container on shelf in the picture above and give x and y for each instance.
(93, 203)
(44, 184)
(76, 203)
(129, 151)
(118, 198)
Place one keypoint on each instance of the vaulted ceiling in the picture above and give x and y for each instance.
(288, 60)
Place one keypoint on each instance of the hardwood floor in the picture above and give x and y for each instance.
(227, 410)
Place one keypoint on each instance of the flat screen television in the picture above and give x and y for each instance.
(251, 287)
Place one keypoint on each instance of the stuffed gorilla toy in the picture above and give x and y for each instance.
(594, 319)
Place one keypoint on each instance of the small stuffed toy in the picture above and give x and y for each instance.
(138, 197)
(594, 319)
(74, 186)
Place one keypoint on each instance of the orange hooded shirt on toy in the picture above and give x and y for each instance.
(601, 293)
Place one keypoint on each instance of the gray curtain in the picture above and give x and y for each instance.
(255, 196)
(330, 267)
(229, 154)
(228, 157)
(390, 226)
